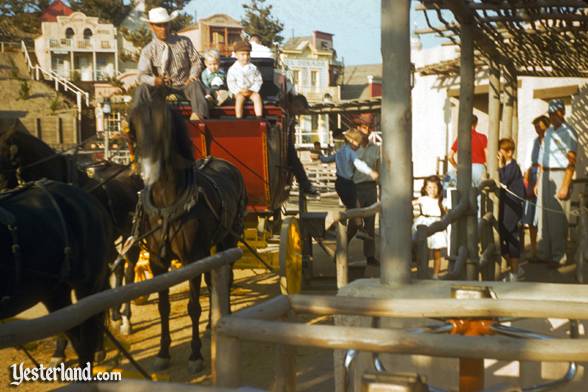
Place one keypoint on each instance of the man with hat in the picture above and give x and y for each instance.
(170, 62)
(557, 157)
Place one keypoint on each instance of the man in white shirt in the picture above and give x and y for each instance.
(259, 50)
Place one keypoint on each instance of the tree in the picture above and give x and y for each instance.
(258, 20)
(139, 38)
(22, 15)
(183, 20)
(110, 11)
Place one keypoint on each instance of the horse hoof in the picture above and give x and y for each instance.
(161, 364)
(125, 327)
(196, 366)
(56, 361)
(99, 356)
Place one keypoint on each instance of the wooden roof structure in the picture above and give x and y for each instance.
(528, 37)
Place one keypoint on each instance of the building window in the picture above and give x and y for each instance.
(69, 33)
(314, 121)
(234, 36)
(87, 33)
(314, 79)
(217, 38)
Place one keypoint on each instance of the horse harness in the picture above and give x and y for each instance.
(8, 220)
(185, 203)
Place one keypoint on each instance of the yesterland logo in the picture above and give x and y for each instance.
(19, 374)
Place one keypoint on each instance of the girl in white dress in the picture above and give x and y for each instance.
(430, 209)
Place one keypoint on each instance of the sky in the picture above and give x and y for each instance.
(355, 23)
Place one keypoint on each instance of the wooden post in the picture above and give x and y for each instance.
(494, 94)
(75, 126)
(220, 306)
(285, 379)
(515, 124)
(396, 163)
(510, 92)
(94, 73)
(341, 255)
(38, 128)
(228, 365)
(422, 253)
(493, 119)
(466, 227)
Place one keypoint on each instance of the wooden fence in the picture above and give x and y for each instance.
(22, 331)
(272, 322)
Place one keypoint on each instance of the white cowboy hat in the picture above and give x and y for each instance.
(159, 15)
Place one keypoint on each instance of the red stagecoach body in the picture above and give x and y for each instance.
(256, 146)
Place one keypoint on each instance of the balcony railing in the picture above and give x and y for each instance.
(82, 44)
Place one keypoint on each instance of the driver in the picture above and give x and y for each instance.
(170, 61)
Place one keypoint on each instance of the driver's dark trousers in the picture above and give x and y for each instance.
(193, 91)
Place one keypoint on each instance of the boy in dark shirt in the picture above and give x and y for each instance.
(510, 206)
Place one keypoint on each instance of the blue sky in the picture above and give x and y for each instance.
(355, 23)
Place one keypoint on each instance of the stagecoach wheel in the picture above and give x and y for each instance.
(142, 272)
(290, 257)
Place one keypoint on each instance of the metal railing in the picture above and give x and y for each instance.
(37, 72)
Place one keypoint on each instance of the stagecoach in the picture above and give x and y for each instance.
(258, 147)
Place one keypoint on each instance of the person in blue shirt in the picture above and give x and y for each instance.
(557, 157)
(346, 162)
(541, 124)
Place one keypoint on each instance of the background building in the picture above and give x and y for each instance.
(315, 72)
(78, 47)
(218, 31)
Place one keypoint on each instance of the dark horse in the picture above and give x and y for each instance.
(54, 238)
(24, 157)
(197, 205)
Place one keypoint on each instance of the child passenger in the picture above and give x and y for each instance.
(244, 80)
(432, 209)
(510, 206)
(213, 78)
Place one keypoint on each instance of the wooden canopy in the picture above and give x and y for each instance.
(527, 37)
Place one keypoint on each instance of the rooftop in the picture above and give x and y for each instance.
(55, 9)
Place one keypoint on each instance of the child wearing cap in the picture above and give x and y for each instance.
(346, 162)
(244, 80)
(214, 78)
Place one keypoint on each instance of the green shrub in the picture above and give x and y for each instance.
(25, 89)
(54, 105)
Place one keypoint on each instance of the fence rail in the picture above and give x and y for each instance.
(9, 45)
(265, 323)
(22, 331)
